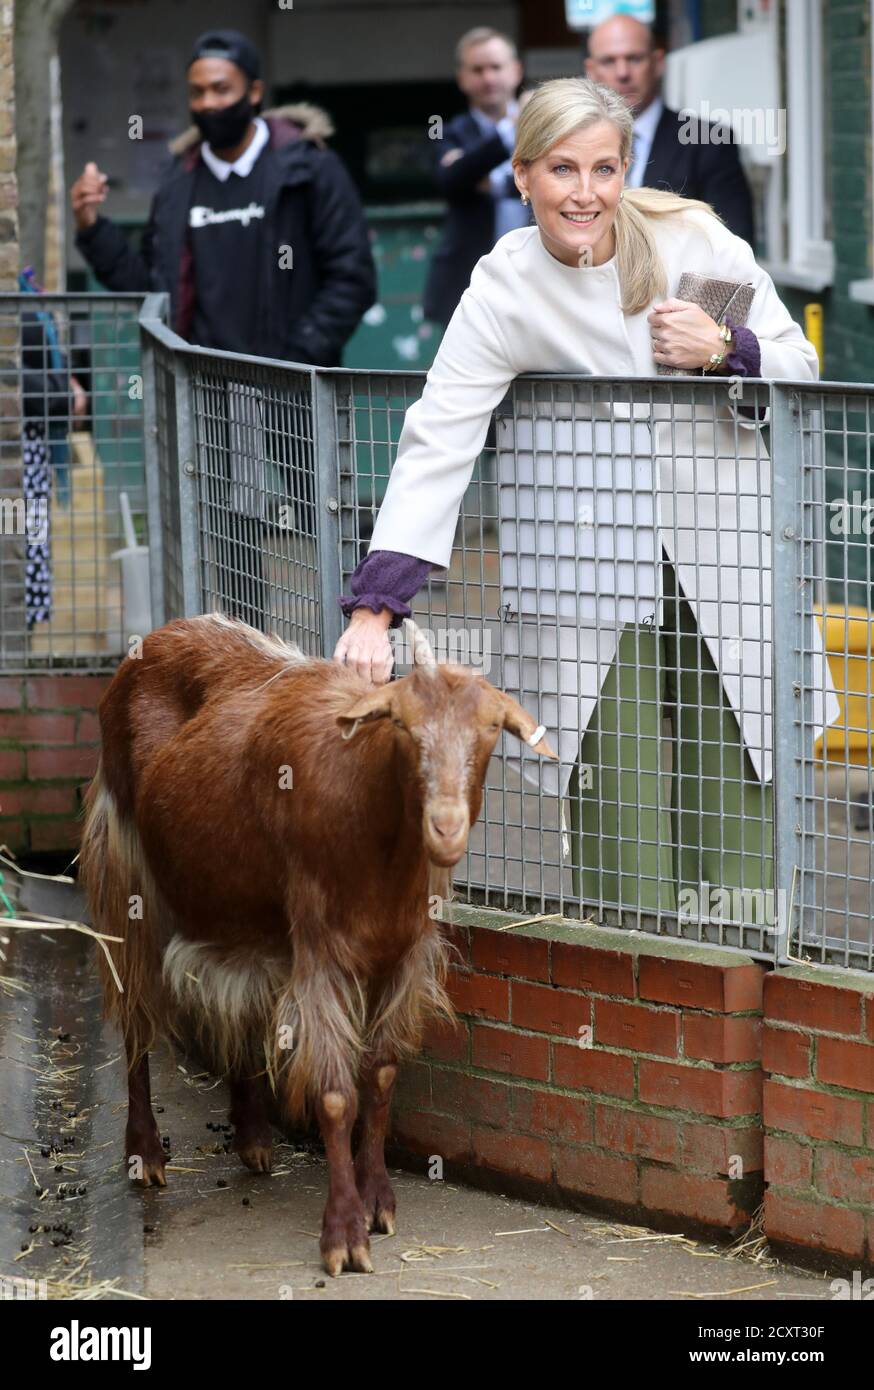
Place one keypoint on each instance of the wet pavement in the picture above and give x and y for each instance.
(69, 1215)
(65, 1215)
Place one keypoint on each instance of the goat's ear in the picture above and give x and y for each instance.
(375, 705)
(520, 723)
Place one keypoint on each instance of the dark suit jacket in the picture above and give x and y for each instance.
(469, 230)
(701, 169)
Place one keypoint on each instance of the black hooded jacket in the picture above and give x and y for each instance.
(311, 204)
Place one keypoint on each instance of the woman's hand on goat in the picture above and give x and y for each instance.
(682, 334)
(365, 646)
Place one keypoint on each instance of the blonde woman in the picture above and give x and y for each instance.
(590, 289)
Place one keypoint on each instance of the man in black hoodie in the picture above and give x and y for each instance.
(256, 229)
(258, 234)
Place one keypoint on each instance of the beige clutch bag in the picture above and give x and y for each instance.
(717, 298)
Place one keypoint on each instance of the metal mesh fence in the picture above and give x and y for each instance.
(834, 886)
(612, 556)
(643, 565)
(257, 496)
(169, 530)
(73, 577)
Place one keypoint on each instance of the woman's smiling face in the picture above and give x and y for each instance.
(574, 190)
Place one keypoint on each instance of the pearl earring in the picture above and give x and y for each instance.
(525, 200)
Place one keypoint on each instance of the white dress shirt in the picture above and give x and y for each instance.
(510, 212)
(644, 134)
(245, 163)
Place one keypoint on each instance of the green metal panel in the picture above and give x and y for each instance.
(394, 332)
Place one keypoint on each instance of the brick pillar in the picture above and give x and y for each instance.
(12, 633)
(8, 186)
(819, 1113)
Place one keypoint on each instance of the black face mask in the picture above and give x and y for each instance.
(225, 128)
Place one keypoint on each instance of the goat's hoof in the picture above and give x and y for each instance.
(378, 1200)
(257, 1156)
(146, 1172)
(145, 1157)
(153, 1175)
(383, 1222)
(341, 1257)
(344, 1245)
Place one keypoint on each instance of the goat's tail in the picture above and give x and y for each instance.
(124, 905)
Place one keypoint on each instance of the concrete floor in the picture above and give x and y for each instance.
(452, 1242)
(218, 1231)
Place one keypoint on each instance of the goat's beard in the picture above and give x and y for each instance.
(440, 890)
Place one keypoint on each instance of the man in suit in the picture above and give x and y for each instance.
(473, 170)
(670, 151)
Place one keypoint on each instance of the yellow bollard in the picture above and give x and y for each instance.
(849, 642)
(813, 329)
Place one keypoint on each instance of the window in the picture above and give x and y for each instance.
(798, 247)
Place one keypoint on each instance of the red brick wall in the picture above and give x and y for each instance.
(49, 742)
(818, 1050)
(660, 1118)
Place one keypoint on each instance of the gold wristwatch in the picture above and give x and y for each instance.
(716, 359)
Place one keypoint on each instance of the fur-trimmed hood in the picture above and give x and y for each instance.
(298, 121)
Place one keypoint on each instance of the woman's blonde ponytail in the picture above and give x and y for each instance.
(638, 264)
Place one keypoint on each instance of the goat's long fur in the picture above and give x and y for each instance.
(267, 835)
(113, 870)
(235, 998)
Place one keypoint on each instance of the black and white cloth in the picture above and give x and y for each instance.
(38, 559)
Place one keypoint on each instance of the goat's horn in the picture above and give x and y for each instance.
(423, 656)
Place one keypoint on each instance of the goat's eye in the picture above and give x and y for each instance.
(399, 724)
(493, 728)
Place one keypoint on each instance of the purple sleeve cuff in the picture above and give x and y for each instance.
(745, 358)
(386, 579)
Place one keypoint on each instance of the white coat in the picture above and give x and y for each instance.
(580, 485)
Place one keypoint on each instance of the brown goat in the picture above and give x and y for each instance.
(265, 831)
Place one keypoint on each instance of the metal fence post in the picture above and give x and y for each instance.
(186, 452)
(155, 309)
(810, 889)
(786, 638)
(327, 477)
